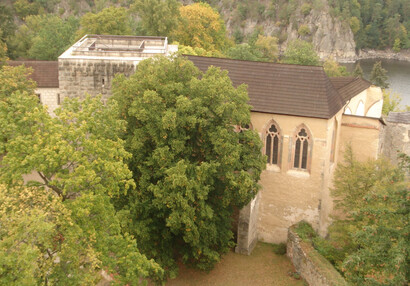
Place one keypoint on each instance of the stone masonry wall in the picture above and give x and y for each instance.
(77, 77)
(396, 139)
(312, 266)
(49, 97)
(247, 227)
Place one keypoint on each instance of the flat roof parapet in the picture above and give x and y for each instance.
(112, 46)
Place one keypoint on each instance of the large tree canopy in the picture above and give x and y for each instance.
(76, 163)
(109, 21)
(190, 166)
(372, 235)
(301, 53)
(201, 26)
(43, 37)
(158, 17)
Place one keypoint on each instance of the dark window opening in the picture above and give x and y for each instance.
(301, 150)
(272, 145)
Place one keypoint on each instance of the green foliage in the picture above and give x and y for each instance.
(301, 53)
(244, 52)
(306, 8)
(279, 249)
(190, 166)
(158, 17)
(354, 24)
(305, 231)
(358, 71)
(391, 102)
(25, 8)
(374, 198)
(14, 79)
(55, 36)
(238, 36)
(268, 47)
(201, 26)
(333, 69)
(43, 37)
(187, 50)
(62, 228)
(3, 52)
(110, 21)
(303, 30)
(397, 45)
(376, 24)
(7, 25)
(378, 76)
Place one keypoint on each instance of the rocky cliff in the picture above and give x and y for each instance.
(330, 37)
(310, 22)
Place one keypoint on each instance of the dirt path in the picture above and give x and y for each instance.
(261, 268)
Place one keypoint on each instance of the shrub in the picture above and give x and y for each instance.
(305, 231)
(306, 8)
(303, 30)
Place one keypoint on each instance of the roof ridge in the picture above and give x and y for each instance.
(261, 62)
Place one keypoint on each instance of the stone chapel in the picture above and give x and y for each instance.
(303, 117)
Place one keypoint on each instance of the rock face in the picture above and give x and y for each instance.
(330, 37)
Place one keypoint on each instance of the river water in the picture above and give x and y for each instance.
(398, 73)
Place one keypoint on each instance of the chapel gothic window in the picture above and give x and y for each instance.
(301, 151)
(272, 140)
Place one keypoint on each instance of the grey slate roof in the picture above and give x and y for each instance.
(399, 117)
(45, 73)
(287, 89)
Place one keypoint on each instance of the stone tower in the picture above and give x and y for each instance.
(90, 64)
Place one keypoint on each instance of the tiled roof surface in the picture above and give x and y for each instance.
(282, 88)
(45, 73)
(399, 117)
(348, 87)
(339, 82)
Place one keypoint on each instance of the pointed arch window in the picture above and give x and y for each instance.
(360, 108)
(302, 147)
(272, 143)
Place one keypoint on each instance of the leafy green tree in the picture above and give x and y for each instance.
(333, 69)
(3, 51)
(44, 37)
(190, 166)
(201, 26)
(397, 45)
(77, 161)
(109, 21)
(374, 199)
(158, 17)
(391, 102)
(53, 38)
(244, 52)
(7, 25)
(378, 76)
(358, 71)
(301, 53)
(268, 47)
(187, 50)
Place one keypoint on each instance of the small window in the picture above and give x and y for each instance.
(58, 99)
(272, 141)
(302, 147)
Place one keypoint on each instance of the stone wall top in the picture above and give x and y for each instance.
(312, 266)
